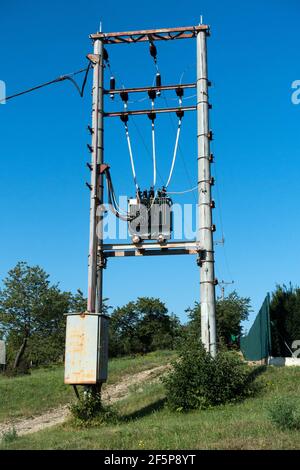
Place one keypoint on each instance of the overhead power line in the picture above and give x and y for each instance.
(61, 78)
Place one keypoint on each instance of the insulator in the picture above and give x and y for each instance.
(153, 50)
(158, 80)
(209, 106)
(124, 117)
(180, 92)
(212, 181)
(112, 86)
(209, 83)
(212, 204)
(124, 96)
(152, 94)
(112, 83)
(152, 116)
(216, 282)
(210, 135)
(213, 228)
(105, 55)
(211, 158)
(180, 114)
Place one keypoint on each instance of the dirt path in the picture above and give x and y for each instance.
(111, 394)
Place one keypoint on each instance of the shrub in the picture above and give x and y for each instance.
(200, 381)
(9, 436)
(89, 410)
(285, 414)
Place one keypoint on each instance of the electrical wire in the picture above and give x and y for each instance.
(180, 150)
(56, 80)
(112, 200)
(184, 192)
(131, 156)
(174, 154)
(145, 145)
(153, 153)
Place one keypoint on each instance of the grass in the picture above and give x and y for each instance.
(44, 388)
(145, 423)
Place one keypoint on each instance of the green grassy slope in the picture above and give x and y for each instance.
(147, 424)
(44, 389)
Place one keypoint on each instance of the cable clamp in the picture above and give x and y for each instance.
(211, 181)
(215, 282)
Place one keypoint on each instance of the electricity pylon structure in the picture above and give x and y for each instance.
(203, 247)
(222, 285)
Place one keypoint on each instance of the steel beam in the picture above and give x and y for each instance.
(143, 252)
(152, 245)
(164, 34)
(150, 111)
(146, 89)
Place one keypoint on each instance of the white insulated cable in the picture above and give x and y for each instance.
(131, 156)
(153, 154)
(174, 154)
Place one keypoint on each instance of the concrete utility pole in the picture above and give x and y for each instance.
(206, 228)
(222, 285)
(95, 264)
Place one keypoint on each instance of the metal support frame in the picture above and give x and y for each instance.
(98, 252)
(151, 249)
(138, 112)
(182, 86)
(164, 34)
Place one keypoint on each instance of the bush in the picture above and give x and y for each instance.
(199, 381)
(89, 410)
(285, 414)
(9, 436)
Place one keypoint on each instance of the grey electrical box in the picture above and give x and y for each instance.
(2, 353)
(86, 355)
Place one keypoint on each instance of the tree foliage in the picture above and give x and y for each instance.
(141, 326)
(285, 319)
(230, 312)
(32, 315)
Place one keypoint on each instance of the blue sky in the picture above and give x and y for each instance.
(253, 60)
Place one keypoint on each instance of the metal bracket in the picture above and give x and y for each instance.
(94, 58)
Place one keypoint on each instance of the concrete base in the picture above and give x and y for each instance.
(284, 361)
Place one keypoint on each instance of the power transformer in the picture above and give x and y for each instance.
(150, 216)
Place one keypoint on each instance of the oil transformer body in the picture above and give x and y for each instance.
(151, 217)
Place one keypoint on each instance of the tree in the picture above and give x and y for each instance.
(142, 326)
(32, 315)
(230, 312)
(285, 319)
